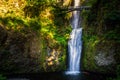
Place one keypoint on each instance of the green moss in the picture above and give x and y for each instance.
(2, 77)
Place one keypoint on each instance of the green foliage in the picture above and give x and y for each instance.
(40, 2)
(89, 50)
(35, 24)
(100, 24)
(18, 23)
(112, 18)
(32, 11)
(12, 22)
(62, 60)
(60, 17)
(34, 8)
(112, 35)
(2, 77)
(89, 2)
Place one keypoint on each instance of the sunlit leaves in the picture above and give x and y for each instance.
(67, 2)
(12, 7)
(36, 15)
(39, 2)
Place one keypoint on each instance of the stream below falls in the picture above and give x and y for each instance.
(57, 76)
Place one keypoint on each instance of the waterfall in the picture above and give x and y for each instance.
(75, 43)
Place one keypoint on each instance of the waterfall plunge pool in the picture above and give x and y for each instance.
(57, 76)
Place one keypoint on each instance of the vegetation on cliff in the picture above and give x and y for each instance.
(33, 35)
(101, 36)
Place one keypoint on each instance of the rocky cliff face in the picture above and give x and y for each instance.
(27, 53)
(18, 53)
(33, 37)
(101, 37)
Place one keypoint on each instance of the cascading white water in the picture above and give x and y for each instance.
(75, 43)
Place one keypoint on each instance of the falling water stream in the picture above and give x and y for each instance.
(75, 43)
